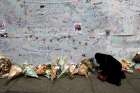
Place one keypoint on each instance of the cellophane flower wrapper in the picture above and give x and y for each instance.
(48, 73)
(82, 69)
(64, 71)
(127, 65)
(40, 69)
(61, 61)
(137, 67)
(54, 71)
(72, 67)
(29, 71)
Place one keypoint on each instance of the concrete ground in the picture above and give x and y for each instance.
(78, 85)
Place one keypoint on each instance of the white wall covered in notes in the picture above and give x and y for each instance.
(41, 30)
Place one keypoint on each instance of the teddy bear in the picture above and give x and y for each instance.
(5, 65)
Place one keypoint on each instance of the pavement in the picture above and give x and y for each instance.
(77, 85)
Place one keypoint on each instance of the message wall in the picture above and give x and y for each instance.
(39, 31)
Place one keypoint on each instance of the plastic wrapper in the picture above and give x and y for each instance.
(83, 70)
(64, 70)
(41, 69)
(137, 67)
(86, 66)
(5, 65)
(63, 64)
(61, 61)
(48, 73)
(54, 70)
(73, 70)
(29, 71)
(126, 65)
(15, 71)
(88, 62)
